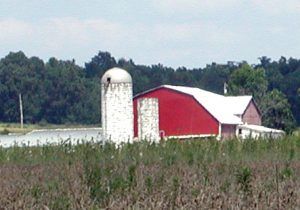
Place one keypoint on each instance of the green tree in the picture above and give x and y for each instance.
(274, 106)
(276, 111)
(18, 74)
(65, 91)
(99, 64)
(214, 76)
(62, 92)
(248, 81)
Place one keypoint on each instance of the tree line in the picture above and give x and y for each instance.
(62, 92)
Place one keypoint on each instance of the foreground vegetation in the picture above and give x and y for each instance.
(262, 174)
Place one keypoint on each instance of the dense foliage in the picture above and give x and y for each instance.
(210, 174)
(59, 91)
(273, 105)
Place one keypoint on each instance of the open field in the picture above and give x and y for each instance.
(6, 128)
(204, 174)
(297, 132)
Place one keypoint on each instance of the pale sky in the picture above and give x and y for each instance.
(189, 33)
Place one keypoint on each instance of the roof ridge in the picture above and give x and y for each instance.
(196, 88)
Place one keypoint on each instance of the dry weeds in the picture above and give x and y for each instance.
(198, 175)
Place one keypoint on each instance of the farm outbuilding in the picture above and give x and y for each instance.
(256, 131)
(174, 112)
(192, 112)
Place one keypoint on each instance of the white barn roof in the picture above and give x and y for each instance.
(226, 109)
(261, 129)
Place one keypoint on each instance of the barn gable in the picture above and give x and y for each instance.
(252, 114)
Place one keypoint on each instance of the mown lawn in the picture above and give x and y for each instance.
(198, 174)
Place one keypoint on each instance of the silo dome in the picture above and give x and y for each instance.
(116, 75)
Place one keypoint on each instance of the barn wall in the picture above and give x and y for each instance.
(251, 115)
(179, 114)
(228, 131)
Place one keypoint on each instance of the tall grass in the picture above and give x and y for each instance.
(173, 174)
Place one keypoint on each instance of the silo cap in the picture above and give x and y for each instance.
(116, 75)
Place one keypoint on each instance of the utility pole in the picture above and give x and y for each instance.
(21, 110)
(225, 88)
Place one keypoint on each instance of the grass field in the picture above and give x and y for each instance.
(199, 174)
(6, 128)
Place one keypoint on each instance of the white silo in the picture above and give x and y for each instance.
(117, 106)
(148, 119)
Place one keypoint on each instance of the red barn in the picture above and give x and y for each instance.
(190, 112)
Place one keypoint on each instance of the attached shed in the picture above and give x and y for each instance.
(256, 131)
(191, 112)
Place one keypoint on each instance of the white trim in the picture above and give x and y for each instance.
(220, 132)
(190, 136)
